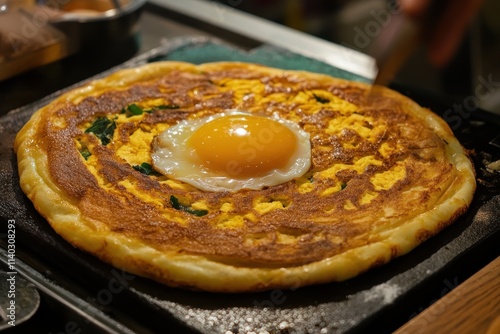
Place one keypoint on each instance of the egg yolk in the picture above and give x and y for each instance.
(243, 145)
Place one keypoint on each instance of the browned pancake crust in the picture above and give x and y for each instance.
(310, 226)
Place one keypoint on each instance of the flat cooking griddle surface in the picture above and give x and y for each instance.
(328, 308)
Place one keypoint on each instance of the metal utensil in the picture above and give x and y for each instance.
(394, 45)
(400, 38)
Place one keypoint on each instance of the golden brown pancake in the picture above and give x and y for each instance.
(384, 177)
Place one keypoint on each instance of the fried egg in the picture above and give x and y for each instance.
(232, 151)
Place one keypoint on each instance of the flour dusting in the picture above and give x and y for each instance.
(385, 291)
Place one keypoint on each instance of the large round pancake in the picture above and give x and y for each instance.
(385, 176)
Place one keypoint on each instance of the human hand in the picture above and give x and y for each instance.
(447, 32)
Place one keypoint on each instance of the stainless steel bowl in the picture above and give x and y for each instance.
(97, 23)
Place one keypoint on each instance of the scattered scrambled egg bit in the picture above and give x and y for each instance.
(135, 147)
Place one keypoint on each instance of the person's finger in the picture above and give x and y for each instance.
(414, 8)
(450, 29)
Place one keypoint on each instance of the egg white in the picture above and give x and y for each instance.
(173, 157)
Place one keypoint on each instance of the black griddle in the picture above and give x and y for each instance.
(381, 299)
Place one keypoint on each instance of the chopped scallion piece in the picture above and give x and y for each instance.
(134, 109)
(103, 128)
(320, 99)
(85, 153)
(145, 168)
(174, 201)
(168, 106)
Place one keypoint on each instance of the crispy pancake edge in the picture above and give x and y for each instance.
(203, 272)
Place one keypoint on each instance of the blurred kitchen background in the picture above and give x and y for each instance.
(102, 42)
(354, 23)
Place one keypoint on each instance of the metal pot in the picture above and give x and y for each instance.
(97, 23)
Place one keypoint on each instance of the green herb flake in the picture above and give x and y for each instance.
(145, 168)
(134, 109)
(174, 201)
(320, 99)
(161, 107)
(342, 186)
(168, 106)
(85, 153)
(103, 128)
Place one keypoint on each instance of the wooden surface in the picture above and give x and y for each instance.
(472, 307)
